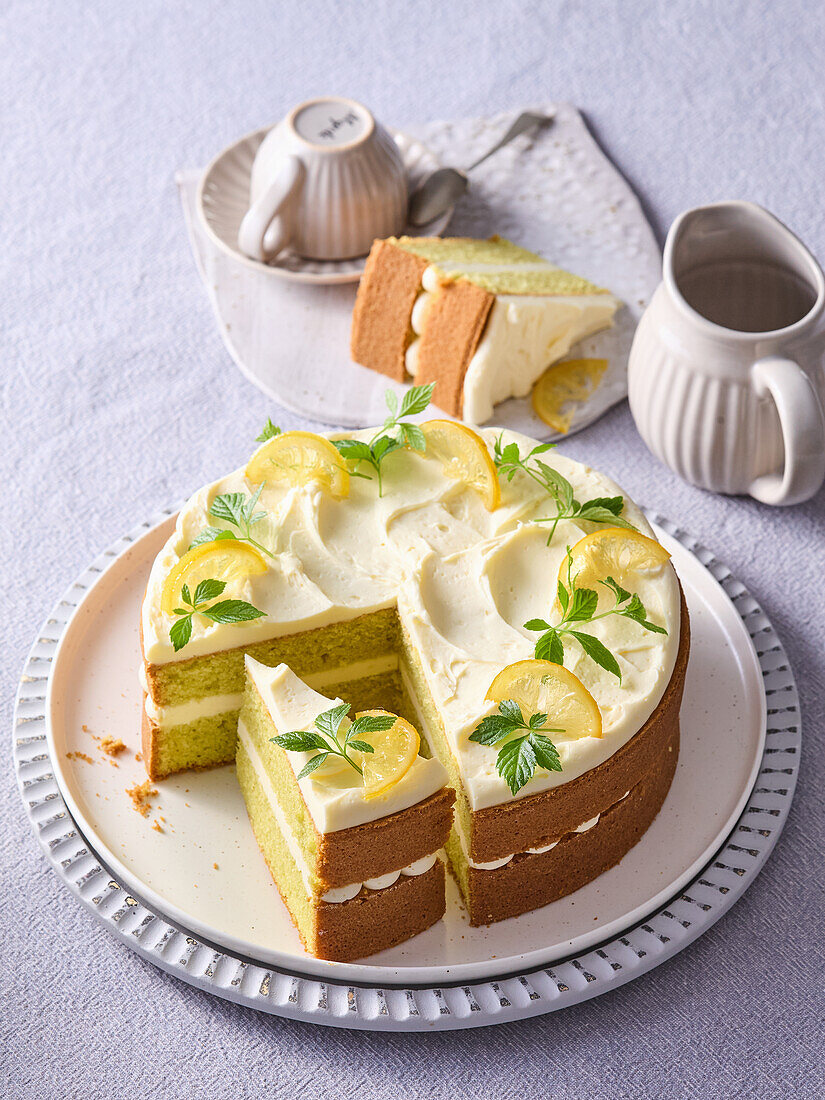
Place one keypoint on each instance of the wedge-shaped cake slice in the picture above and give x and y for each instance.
(359, 871)
(480, 319)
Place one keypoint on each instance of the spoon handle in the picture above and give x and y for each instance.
(525, 121)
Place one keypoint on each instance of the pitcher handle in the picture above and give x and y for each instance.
(803, 432)
(263, 234)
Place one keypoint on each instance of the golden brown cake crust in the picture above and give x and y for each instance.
(378, 847)
(381, 317)
(539, 819)
(529, 881)
(375, 920)
(456, 317)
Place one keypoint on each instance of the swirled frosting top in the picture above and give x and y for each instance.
(464, 581)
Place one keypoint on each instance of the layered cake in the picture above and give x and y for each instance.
(480, 319)
(511, 604)
(355, 858)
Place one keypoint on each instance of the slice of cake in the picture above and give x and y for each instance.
(480, 319)
(356, 862)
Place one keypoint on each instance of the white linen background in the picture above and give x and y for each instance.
(118, 397)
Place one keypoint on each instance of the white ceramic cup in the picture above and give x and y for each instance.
(725, 376)
(326, 181)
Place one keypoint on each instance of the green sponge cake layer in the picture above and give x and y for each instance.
(466, 250)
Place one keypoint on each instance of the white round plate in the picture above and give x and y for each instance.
(196, 899)
(223, 200)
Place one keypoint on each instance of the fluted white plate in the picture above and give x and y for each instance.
(223, 200)
(552, 190)
(224, 929)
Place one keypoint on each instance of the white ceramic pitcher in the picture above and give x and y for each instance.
(725, 377)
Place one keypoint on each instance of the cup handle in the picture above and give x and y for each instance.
(803, 432)
(263, 234)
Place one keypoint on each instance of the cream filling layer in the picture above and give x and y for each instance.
(340, 893)
(494, 864)
(463, 580)
(209, 705)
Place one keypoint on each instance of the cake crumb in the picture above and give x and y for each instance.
(85, 728)
(156, 825)
(140, 795)
(112, 746)
(139, 756)
(79, 756)
(216, 866)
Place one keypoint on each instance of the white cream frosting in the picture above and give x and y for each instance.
(334, 795)
(464, 581)
(337, 894)
(524, 335)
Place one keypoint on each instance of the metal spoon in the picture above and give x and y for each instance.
(445, 187)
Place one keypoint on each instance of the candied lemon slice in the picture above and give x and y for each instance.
(562, 387)
(613, 552)
(465, 457)
(298, 458)
(394, 753)
(540, 686)
(225, 560)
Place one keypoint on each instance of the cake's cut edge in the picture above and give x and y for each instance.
(383, 306)
(455, 324)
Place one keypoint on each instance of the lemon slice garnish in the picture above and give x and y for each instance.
(298, 458)
(564, 385)
(613, 552)
(225, 560)
(464, 456)
(394, 753)
(540, 686)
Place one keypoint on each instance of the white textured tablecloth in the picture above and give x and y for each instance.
(118, 397)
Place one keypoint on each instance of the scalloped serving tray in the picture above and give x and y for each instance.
(223, 928)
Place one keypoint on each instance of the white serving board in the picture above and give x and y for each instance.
(554, 192)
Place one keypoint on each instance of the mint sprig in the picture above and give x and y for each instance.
(224, 611)
(269, 431)
(327, 741)
(519, 757)
(579, 605)
(509, 461)
(238, 510)
(395, 434)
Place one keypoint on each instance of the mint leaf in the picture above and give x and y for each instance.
(416, 400)
(583, 604)
(558, 484)
(391, 398)
(312, 764)
(547, 755)
(636, 610)
(383, 446)
(301, 741)
(232, 611)
(613, 505)
(208, 590)
(184, 592)
(361, 746)
(516, 763)
(603, 515)
(354, 450)
(181, 632)
(330, 721)
(414, 437)
(208, 534)
(563, 596)
(491, 730)
(598, 652)
(537, 624)
(620, 593)
(512, 712)
(229, 507)
(269, 431)
(536, 721)
(371, 723)
(550, 647)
